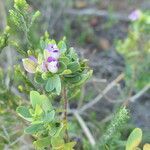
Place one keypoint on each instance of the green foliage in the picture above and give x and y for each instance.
(24, 113)
(41, 100)
(113, 129)
(8, 99)
(41, 116)
(4, 38)
(8, 103)
(53, 83)
(46, 125)
(21, 21)
(136, 51)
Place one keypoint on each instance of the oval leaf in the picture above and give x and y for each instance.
(35, 98)
(49, 116)
(74, 66)
(42, 143)
(69, 146)
(134, 139)
(62, 46)
(29, 65)
(57, 143)
(50, 85)
(33, 128)
(24, 113)
(41, 100)
(146, 147)
(57, 84)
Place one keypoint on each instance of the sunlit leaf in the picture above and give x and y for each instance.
(134, 139)
(29, 65)
(62, 46)
(41, 100)
(57, 143)
(42, 143)
(69, 146)
(146, 146)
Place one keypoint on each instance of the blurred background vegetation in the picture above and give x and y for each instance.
(100, 31)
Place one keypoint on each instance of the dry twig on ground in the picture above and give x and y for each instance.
(85, 128)
(99, 96)
(98, 13)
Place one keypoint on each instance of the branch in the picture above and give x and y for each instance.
(85, 128)
(66, 111)
(99, 96)
(2, 15)
(140, 93)
(98, 13)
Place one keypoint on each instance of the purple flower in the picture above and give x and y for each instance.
(50, 65)
(52, 51)
(135, 15)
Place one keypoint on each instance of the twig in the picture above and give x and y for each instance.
(2, 15)
(65, 113)
(97, 80)
(85, 128)
(16, 141)
(99, 96)
(96, 12)
(6, 133)
(106, 119)
(140, 93)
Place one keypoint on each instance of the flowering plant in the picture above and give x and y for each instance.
(57, 71)
(135, 49)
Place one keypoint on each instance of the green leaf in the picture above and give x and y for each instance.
(134, 139)
(74, 79)
(56, 129)
(41, 100)
(4, 38)
(50, 85)
(35, 98)
(54, 83)
(72, 54)
(57, 84)
(24, 113)
(67, 71)
(49, 116)
(38, 110)
(42, 143)
(62, 46)
(38, 78)
(21, 4)
(69, 146)
(74, 66)
(57, 143)
(34, 17)
(62, 67)
(34, 128)
(65, 60)
(84, 78)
